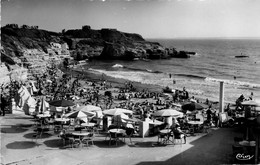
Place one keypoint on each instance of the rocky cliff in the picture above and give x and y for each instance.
(30, 46)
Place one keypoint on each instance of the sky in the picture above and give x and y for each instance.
(149, 18)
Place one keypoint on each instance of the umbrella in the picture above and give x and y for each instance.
(194, 106)
(251, 103)
(117, 111)
(79, 114)
(88, 108)
(167, 112)
(61, 103)
(44, 105)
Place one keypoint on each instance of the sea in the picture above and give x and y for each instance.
(200, 74)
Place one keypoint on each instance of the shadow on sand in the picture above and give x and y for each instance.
(105, 144)
(54, 143)
(22, 145)
(32, 135)
(13, 129)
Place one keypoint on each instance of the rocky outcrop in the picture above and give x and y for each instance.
(33, 48)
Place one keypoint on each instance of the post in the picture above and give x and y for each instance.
(221, 97)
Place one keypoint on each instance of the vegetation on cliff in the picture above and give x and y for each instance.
(100, 44)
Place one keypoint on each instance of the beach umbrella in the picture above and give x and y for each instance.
(251, 103)
(61, 103)
(79, 114)
(116, 111)
(194, 106)
(44, 105)
(167, 112)
(88, 108)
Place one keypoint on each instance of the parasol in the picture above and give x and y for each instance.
(167, 112)
(88, 108)
(116, 111)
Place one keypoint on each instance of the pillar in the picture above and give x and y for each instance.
(221, 97)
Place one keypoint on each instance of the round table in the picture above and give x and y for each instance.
(62, 119)
(117, 131)
(81, 135)
(195, 122)
(88, 124)
(165, 131)
(76, 133)
(43, 115)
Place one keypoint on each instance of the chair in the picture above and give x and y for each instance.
(129, 133)
(206, 127)
(179, 136)
(114, 137)
(38, 133)
(98, 126)
(65, 137)
(88, 138)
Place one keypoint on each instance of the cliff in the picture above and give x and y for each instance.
(33, 48)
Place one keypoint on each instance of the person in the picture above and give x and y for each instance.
(215, 118)
(209, 115)
(251, 96)
(3, 104)
(185, 93)
(178, 133)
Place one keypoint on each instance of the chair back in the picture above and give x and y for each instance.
(113, 135)
(129, 131)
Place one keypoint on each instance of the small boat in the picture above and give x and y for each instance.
(241, 56)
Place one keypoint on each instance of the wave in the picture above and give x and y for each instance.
(148, 78)
(117, 66)
(190, 76)
(135, 69)
(234, 82)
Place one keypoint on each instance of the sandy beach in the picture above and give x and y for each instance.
(18, 146)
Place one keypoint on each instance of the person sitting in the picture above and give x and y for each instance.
(178, 133)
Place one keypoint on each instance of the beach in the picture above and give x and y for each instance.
(18, 146)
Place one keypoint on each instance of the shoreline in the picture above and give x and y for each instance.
(118, 83)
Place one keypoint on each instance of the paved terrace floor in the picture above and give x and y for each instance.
(18, 147)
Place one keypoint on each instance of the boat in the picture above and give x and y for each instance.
(241, 56)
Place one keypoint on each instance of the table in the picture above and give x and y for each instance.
(81, 135)
(165, 131)
(88, 124)
(195, 122)
(155, 122)
(166, 135)
(62, 120)
(193, 128)
(43, 115)
(117, 131)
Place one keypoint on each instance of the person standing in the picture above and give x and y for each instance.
(3, 104)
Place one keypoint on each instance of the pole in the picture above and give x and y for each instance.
(221, 97)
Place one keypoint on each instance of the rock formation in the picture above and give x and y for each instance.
(32, 48)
